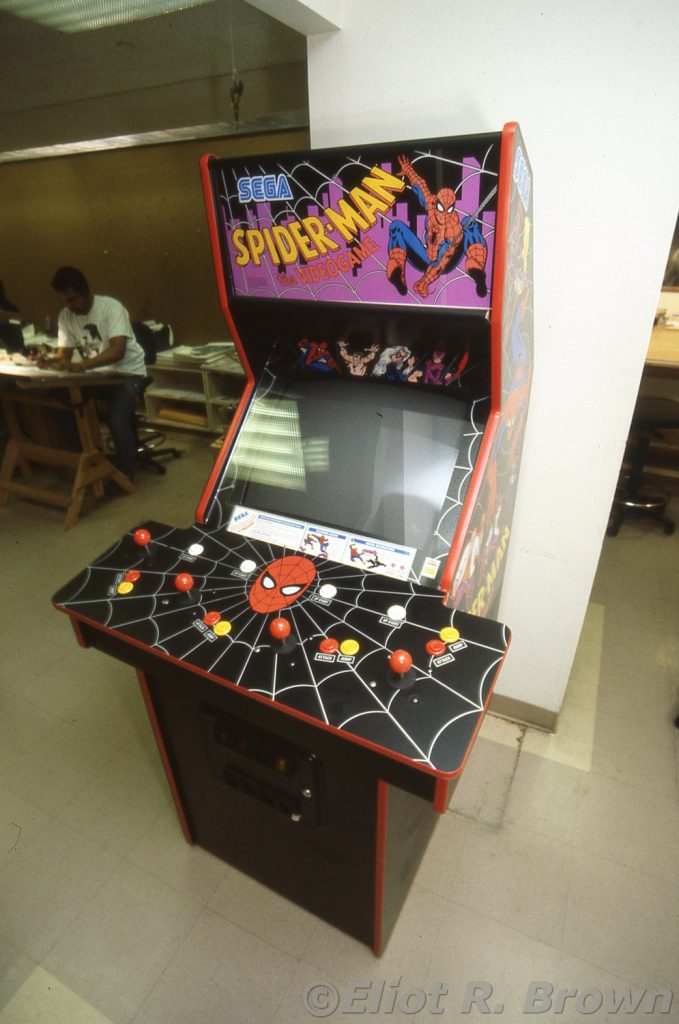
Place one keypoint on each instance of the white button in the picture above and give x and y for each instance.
(248, 565)
(397, 611)
(327, 590)
(196, 549)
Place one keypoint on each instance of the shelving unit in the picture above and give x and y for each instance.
(201, 397)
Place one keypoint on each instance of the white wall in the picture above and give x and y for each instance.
(593, 85)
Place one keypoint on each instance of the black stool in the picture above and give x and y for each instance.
(153, 337)
(651, 416)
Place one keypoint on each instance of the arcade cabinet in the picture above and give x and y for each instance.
(317, 651)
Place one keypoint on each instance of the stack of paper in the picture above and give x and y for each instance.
(198, 355)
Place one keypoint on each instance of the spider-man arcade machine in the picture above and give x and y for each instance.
(316, 652)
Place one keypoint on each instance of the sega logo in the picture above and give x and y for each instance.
(263, 187)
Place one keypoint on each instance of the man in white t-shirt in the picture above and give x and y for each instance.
(99, 327)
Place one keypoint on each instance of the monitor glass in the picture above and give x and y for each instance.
(353, 454)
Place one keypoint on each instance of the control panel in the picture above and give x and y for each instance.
(380, 659)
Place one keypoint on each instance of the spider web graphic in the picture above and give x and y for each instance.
(457, 488)
(430, 721)
(386, 707)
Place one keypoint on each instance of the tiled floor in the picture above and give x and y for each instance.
(556, 864)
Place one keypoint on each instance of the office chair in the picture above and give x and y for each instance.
(11, 336)
(634, 495)
(5, 305)
(153, 338)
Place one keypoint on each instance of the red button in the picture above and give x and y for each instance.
(435, 647)
(329, 645)
(141, 537)
(132, 575)
(279, 628)
(400, 662)
(211, 618)
(184, 582)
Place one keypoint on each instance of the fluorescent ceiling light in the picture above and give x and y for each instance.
(83, 15)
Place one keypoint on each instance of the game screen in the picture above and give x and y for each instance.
(348, 455)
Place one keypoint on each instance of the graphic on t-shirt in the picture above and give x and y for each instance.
(93, 332)
(89, 341)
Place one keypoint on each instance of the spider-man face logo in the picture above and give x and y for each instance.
(281, 583)
(445, 205)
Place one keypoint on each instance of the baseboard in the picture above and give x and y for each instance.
(521, 711)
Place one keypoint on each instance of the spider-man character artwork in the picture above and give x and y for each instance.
(281, 583)
(316, 354)
(446, 240)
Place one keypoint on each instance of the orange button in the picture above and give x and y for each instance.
(328, 645)
(210, 618)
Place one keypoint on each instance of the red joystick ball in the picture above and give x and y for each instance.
(184, 582)
(141, 537)
(400, 662)
(279, 629)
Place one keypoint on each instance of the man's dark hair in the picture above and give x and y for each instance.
(70, 277)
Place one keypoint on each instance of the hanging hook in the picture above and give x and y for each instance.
(236, 90)
(236, 93)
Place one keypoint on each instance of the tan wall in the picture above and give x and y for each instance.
(133, 220)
